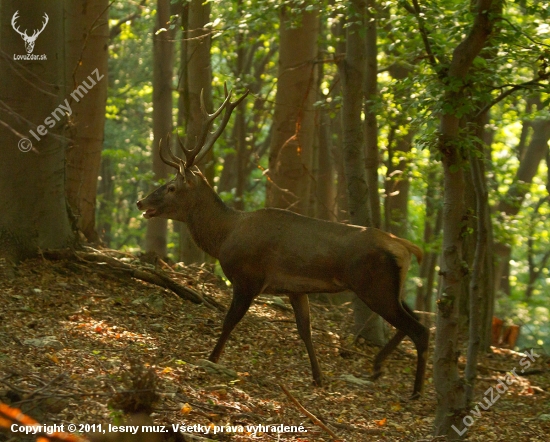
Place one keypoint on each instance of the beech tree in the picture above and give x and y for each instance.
(449, 387)
(87, 50)
(32, 184)
(352, 72)
(290, 155)
(199, 81)
(163, 65)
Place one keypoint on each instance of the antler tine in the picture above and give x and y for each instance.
(207, 124)
(174, 161)
(44, 23)
(14, 26)
(212, 137)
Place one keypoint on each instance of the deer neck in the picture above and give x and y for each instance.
(211, 222)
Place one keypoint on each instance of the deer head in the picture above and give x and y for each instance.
(176, 198)
(29, 40)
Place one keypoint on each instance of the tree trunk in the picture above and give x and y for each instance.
(325, 188)
(163, 64)
(87, 50)
(32, 183)
(478, 278)
(432, 230)
(240, 132)
(199, 77)
(106, 201)
(397, 187)
(352, 69)
(449, 387)
(530, 159)
(290, 157)
(371, 126)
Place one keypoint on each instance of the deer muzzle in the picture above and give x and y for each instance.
(148, 213)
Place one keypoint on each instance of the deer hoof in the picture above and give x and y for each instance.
(376, 374)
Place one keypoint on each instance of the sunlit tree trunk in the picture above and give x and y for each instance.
(290, 157)
(32, 181)
(371, 126)
(163, 60)
(397, 186)
(530, 158)
(87, 30)
(449, 387)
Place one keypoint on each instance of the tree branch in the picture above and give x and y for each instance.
(517, 87)
(415, 9)
(116, 29)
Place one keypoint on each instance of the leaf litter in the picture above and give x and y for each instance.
(79, 343)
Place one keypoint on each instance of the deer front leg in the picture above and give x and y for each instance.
(239, 306)
(300, 304)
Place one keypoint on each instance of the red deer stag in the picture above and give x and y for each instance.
(274, 251)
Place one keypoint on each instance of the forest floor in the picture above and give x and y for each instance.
(74, 334)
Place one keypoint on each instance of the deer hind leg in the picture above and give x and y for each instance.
(300, 304)
(239, 306)
(378, 284)
(404, 320)
(423, 339)
(391, 345)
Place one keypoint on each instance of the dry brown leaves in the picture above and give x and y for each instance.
(68, 332)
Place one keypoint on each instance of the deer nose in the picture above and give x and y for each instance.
(139, 205)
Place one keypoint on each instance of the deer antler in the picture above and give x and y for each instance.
(174, 161)
(206, 139)
(13, 25)
(36, 33)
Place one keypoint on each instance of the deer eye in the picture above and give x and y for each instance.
(171, 188)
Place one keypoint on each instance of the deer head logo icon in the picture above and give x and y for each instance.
(29, 39)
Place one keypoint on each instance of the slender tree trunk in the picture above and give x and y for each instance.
(477, 278)
(371, 126)
(32, 182)
(240, 131)
(352, 70)
(397, 187)
(530, 159)
(199, 77)
(449, 387)
(432, 230)
(106, 201)
(87, 49)
(290, 157)
(326, 190)
(163, 65)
